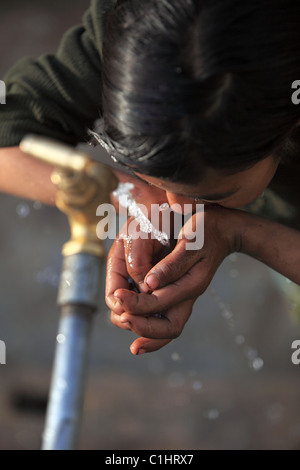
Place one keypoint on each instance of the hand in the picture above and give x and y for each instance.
(127, 264)
(158, 314)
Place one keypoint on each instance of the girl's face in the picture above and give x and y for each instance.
(231, 191)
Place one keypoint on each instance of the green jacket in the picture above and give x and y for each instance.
(59, 96)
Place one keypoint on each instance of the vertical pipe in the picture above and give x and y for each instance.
(69, 379)
(78, 298)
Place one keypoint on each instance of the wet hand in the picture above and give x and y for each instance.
(127, 264)
(171, 286)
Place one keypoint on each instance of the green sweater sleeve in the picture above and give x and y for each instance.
(59, 95)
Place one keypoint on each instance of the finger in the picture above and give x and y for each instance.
(173, 266)
(116, 275)
(192, 284)
(138, 256)
(185, 254)
(140, 345)
(168, 326)
(116, 321)
(116, 272)
(146, 345)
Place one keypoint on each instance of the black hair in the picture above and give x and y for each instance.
(190, 84)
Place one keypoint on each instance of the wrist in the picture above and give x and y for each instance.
(272, 243)
(250, 233)
(239, 225)
(231, 226)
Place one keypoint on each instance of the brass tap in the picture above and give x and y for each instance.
(82, 185)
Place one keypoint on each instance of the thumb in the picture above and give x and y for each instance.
(173, 266)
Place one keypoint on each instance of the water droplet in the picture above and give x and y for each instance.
(251, 353)
(130, 260)
(37, 205)
(240, 339)
(257, 364)
(197, 385)
(213, 414)
(163, 207)
(227, 314)
(60, 338)
(22, 210)
(176, 357)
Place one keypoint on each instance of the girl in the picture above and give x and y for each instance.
(195, 100)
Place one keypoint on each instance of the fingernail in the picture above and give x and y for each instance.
(124, 320)
(152, 281)
(144, 289)
(119, 300)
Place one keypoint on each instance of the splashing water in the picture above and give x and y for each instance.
(128, 241)
(23, 210)
(124, 196)
(255, 362)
